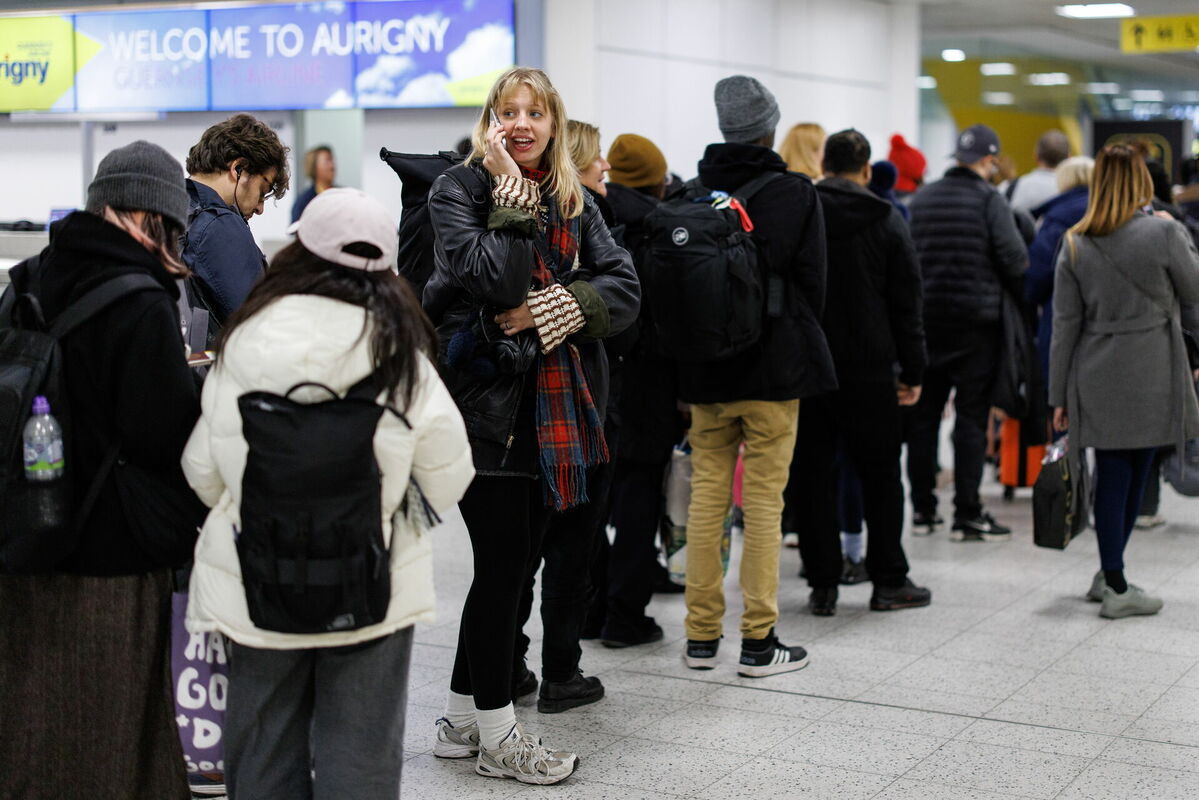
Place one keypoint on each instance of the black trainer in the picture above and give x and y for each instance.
(893, 598)
(763, 657)
(701, 655)
(853, 572)
(646, 632)
(926, 524)
(523, 682)
(823, 601)
(561, 696)
(981, 528)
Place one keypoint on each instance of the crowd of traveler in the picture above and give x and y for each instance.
(531, 381)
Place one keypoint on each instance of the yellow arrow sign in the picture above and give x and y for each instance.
(1159, 34)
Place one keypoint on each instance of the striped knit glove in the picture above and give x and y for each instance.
(556, 315)
(515, 191)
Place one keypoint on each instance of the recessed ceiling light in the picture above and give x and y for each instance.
(953, 55)
(1147, 95)
(1102, 88)
(1048, 79)
(1122, 104)
(999, 98)
(1096, 10)
(926, 82)
(997, 68)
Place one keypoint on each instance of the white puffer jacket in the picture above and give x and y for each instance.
(309, 338)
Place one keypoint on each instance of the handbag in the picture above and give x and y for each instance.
(1059, 510)
(200, 685)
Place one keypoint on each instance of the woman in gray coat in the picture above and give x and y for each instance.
(1118, 371)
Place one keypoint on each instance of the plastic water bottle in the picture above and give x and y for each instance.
(43, 445)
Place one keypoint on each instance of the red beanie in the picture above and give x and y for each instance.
(909, 162)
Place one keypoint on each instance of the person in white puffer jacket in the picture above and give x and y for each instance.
(329, 310)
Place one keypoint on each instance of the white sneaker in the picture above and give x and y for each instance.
(523, 757)
(455, 742)
(1130, 603)
(1147, 522)
(1095, 593)
(791, 540)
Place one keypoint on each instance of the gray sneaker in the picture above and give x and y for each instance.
(454, 742)
(523, 757)
(1131, 603)
(1095, 593)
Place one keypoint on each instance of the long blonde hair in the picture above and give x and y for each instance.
(562, 180)
(1074, 171)
(584, 141)
(803, 149)
(1120, 185)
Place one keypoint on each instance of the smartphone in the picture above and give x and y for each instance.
(496, 121)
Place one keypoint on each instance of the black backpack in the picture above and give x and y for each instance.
(417, 172)
(708, 291)
(39, 522)
(311, 542)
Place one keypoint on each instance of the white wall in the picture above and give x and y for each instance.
(842, 63)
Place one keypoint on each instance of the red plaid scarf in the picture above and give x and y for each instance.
(570, 435)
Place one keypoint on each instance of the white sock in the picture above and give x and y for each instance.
(460, 710)
(851, 545)
(495, 725)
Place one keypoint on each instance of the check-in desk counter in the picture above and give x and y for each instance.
(15, 247)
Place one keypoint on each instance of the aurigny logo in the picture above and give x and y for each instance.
(680, 236)
(17, 71)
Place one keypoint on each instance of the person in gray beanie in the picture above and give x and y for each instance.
(746, 110)
(753, 397)
(90, 640)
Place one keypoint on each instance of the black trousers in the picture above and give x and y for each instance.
(963, 360)
(633, 568)
(568, 550)
(506, 518)
(864, 420)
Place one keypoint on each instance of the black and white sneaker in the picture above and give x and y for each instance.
(981, 528)
(701, 655)
(926, 524)
(763, 657)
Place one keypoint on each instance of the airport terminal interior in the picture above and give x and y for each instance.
(1007, 683)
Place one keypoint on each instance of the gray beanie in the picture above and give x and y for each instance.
(745, 109)
(140, 177)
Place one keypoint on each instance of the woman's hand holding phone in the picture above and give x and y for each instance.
(497, 160)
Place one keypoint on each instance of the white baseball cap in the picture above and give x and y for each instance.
(338, 218)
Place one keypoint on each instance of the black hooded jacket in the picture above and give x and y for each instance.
(791, 359)
(127, 381)
(872, 315)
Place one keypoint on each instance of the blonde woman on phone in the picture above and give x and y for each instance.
(527, 281)
(1118, 373)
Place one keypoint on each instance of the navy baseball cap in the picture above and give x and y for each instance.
(976, 143)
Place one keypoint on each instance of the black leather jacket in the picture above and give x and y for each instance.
(478, 272)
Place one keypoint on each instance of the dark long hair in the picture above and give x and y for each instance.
(400, 331)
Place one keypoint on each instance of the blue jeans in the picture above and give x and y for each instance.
(1120, 477)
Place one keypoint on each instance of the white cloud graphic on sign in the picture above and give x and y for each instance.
(378, 85)
(340, 99)
(484, 50)
(427, 90)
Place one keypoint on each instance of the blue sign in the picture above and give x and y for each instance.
(143, 61)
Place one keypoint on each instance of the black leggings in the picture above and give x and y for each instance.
(506, 518)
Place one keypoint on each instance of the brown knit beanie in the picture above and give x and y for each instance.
(636, 162)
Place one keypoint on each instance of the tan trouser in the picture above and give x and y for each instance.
(717, 431)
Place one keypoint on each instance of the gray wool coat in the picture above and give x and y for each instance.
(1117, 361)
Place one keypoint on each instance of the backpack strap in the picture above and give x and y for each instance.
(748, 189)
(99, 299)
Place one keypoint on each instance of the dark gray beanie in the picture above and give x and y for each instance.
(140, 177)
(745, 109)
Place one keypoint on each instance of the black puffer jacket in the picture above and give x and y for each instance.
(791, 359)
(969, 249)
(648, 399)
(128, 382)
(873, 314)
(479, 272)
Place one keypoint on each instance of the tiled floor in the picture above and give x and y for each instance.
(1009, 686)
